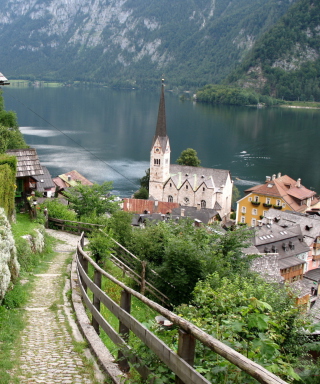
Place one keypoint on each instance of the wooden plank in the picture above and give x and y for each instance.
(253, 369)
(115, 337)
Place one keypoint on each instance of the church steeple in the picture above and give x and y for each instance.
(161, 128)
(160, 153)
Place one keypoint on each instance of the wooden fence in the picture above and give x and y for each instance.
(181, 363)
(122, 258)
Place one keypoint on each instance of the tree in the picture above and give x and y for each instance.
(235, 195)
(142, 193)
(11, 138)
(91, 199)
(189, 157)
(256, 318)
(144, 181)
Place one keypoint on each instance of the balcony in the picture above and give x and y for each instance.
(267, 205)
(277, 206)
(255, 203)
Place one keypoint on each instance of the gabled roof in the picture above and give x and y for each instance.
(28, 163)
(213, 178)
(291, 191)
(44, 182)
(71, 179)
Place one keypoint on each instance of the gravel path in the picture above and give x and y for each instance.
(52, 349)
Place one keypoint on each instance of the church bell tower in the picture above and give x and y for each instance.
(160, 153)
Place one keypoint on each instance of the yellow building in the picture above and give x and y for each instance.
(279, 192)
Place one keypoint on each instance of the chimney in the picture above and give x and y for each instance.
(279, 175)
(268, 178)
(273, 177)
(182, 211)
(260, 223)
(69, 178)
(299, 183)
(198, 206)
(269, 220)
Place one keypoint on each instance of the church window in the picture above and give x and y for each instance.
(203, 189)
(187, 186)
(170, 199)
(203, 203)
(186, 200)
(156, 161)
(170, 184)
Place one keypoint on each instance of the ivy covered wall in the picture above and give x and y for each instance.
(8, 166)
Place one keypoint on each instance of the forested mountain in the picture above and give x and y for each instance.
(133, 42)
(285, 62)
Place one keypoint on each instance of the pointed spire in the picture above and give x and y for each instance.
(161, 129)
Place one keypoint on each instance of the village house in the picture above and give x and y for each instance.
(310, 229)
(278, 192)
(29, 170)
(69, 179)
(188, 186)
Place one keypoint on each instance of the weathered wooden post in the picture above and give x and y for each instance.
(125, 303)
(186, 349)
(96, 302)
(83, 261)
(143, 277)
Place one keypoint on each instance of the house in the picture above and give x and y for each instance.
(278, 192)
(28, 169)
(185, 185)
(45, 184)
(70, 179)
(310, 229)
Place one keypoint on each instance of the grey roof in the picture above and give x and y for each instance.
(313, 274)
(289, 262)
(44, 182)
(310, 225)
(302, 287)
(267, 234)
(267, 266)
(196, 176)
(203, 214)
(28, 163)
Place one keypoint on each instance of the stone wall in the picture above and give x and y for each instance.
(9, 266)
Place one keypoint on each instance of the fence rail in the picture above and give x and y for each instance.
(122, 258)
(180, 363)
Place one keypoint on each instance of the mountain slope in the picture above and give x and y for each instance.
(285, 63)
(132, 42)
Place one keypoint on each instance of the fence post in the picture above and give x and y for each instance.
(143, 277)
(186, 349)
(96, 302)
(46, 215)
(84, 262)
(125, 303)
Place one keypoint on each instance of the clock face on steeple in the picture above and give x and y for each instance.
(157, 149)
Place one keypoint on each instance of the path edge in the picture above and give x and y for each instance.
(101, 352)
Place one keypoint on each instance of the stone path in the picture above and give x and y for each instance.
(52, 350)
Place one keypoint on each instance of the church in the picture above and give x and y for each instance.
(203, 188)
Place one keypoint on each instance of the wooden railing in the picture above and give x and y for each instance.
(121, 257)
(179, 363)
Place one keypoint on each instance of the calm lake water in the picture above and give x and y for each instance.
(106, 135)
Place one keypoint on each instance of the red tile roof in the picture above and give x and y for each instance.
(139, 206)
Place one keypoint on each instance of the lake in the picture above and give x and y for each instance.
(106, 134)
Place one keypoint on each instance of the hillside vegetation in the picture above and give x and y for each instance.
(285, 63)
(132, 42)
